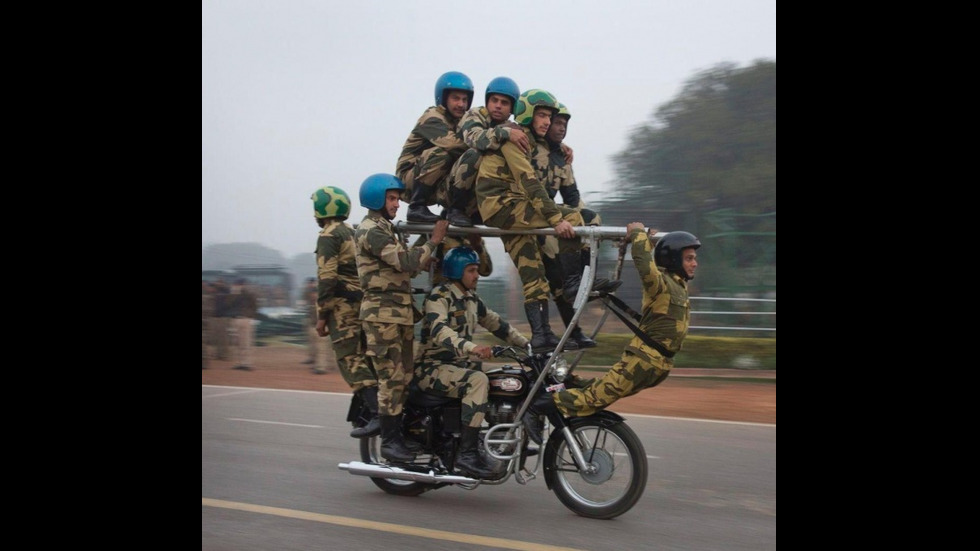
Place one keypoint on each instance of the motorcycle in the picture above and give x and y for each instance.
(595, 465)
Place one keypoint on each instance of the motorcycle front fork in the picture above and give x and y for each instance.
(584, 466)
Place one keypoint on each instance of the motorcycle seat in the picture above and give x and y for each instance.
(421, 398)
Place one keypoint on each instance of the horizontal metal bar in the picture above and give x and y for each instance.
(734, 299)
(732, 328)
(600, 232)
(739, 313)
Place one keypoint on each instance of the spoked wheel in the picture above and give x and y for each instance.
(616, 472)
(371, 453)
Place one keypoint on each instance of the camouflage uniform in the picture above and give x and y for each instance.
(429, 153)
(480, 135)
(338, 302)
(442, 366)
(385, 267)
(557, 176)
(665, 318)
(510, 196)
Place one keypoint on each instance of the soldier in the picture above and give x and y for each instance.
(450, 242)
(648, 358)
(207, 312)
(482, 128)
(385, 267)
(315, 346)
(220, 320)
(555, 171)
(433, 146)
(338, 299)
(243, 306)
(510, 196)
(445, 363)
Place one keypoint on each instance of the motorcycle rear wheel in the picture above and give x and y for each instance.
(619, 469)
(371, 453)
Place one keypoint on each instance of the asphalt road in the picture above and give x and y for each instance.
(270, 481)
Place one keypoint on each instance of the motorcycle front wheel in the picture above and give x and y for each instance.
(615, 475)
(371, 453)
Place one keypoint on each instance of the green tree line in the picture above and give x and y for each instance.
(706, 163)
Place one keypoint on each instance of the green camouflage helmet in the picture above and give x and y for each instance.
(330, 202)
(562, 110)
(524, 109)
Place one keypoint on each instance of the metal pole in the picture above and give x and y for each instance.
(597, 232)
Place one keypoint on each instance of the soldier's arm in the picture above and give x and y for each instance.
(437, 309)
(478, 134)
(504, 331)
(643, 260)
(520, 167)
(434, 129)
(486, 265)
(327, 261)
(387, 247)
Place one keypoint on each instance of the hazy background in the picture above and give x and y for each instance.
(301, 94)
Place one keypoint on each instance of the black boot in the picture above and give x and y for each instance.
(392, 443)
(578, 337)
(418, 210)
(534, 425)
(373, 427)
(459, 198)
(541, 336)
(469, 462)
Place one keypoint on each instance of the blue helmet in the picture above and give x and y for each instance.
(504, 86)
(374, 188)
(456, 260)
(453, 80)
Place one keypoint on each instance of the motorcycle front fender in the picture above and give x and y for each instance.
(607, 419)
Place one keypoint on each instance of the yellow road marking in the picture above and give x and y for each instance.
(385, 527)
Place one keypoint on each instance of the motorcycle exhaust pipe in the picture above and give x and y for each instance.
(387, 471)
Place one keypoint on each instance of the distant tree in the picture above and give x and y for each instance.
(712, 147)
(706, 163)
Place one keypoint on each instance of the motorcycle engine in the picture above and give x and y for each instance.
(499, 411)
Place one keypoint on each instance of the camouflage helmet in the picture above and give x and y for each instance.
(562, 110)
(670, 248)
(375, 187)
(524, 108)
(330, 202)
(456, 260)
(505, 87)
(453, 80)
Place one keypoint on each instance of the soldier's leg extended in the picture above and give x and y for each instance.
(386, 344)
(628, 376)
(432, 168)
(460, 190)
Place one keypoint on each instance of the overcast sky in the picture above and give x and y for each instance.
(299, 94)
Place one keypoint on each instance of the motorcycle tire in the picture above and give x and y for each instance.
(371, 453)
(618, 462)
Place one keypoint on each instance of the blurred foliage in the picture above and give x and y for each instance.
(706, 163)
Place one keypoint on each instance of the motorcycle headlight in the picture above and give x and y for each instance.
(559, 369)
